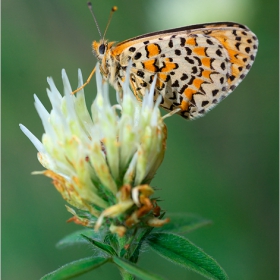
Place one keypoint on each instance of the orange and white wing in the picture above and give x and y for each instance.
(196, 66)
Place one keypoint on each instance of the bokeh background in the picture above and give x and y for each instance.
(223, 166)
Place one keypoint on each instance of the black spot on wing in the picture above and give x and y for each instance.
(151, 79)
(237, 45)
(194, 70)
(247, 49)
(188, 50)
(184, 77)
(200, 73)
(204, 103)
(214, 92)
(137, 55)
(190, 82)
(181, 91)
(182, 42)
(198, 60)
(189, 60)
(174, 97)
(223, 66)
(170, 44)
(140, 73)
(218, 52)
(175, 84)
(177, 52)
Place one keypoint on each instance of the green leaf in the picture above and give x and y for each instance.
(183, 223)
(76, 238)
(181, 251)
(75, 268)
(104, 247)
(135, 270)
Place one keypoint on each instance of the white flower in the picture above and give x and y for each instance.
(97, 161)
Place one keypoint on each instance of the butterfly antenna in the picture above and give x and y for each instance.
(90, 8)
(115, 8)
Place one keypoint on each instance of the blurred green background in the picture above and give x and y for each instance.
(223, 166)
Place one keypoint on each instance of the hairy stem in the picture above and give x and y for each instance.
(126, 275)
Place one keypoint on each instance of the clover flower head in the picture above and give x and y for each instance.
(102, 163)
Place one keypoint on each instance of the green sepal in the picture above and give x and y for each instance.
(83, 214)
(123, 252)
(104, 247)
(75, 268)
(183, 223)
(135, 251)
(135, 270)
(112, 240)
(76, 238)
(182, 252)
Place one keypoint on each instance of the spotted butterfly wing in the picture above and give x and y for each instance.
(196, 66)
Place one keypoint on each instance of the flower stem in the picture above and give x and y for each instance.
(126, 275)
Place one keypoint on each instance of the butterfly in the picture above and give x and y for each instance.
(195, 66)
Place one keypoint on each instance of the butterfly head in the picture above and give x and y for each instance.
(99, 49)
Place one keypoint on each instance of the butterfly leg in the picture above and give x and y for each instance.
(134, 90)
(171, 113)
(88, 80)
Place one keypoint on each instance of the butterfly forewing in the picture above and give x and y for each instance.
(195, 66)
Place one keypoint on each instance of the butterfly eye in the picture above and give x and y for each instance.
(102, 49)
